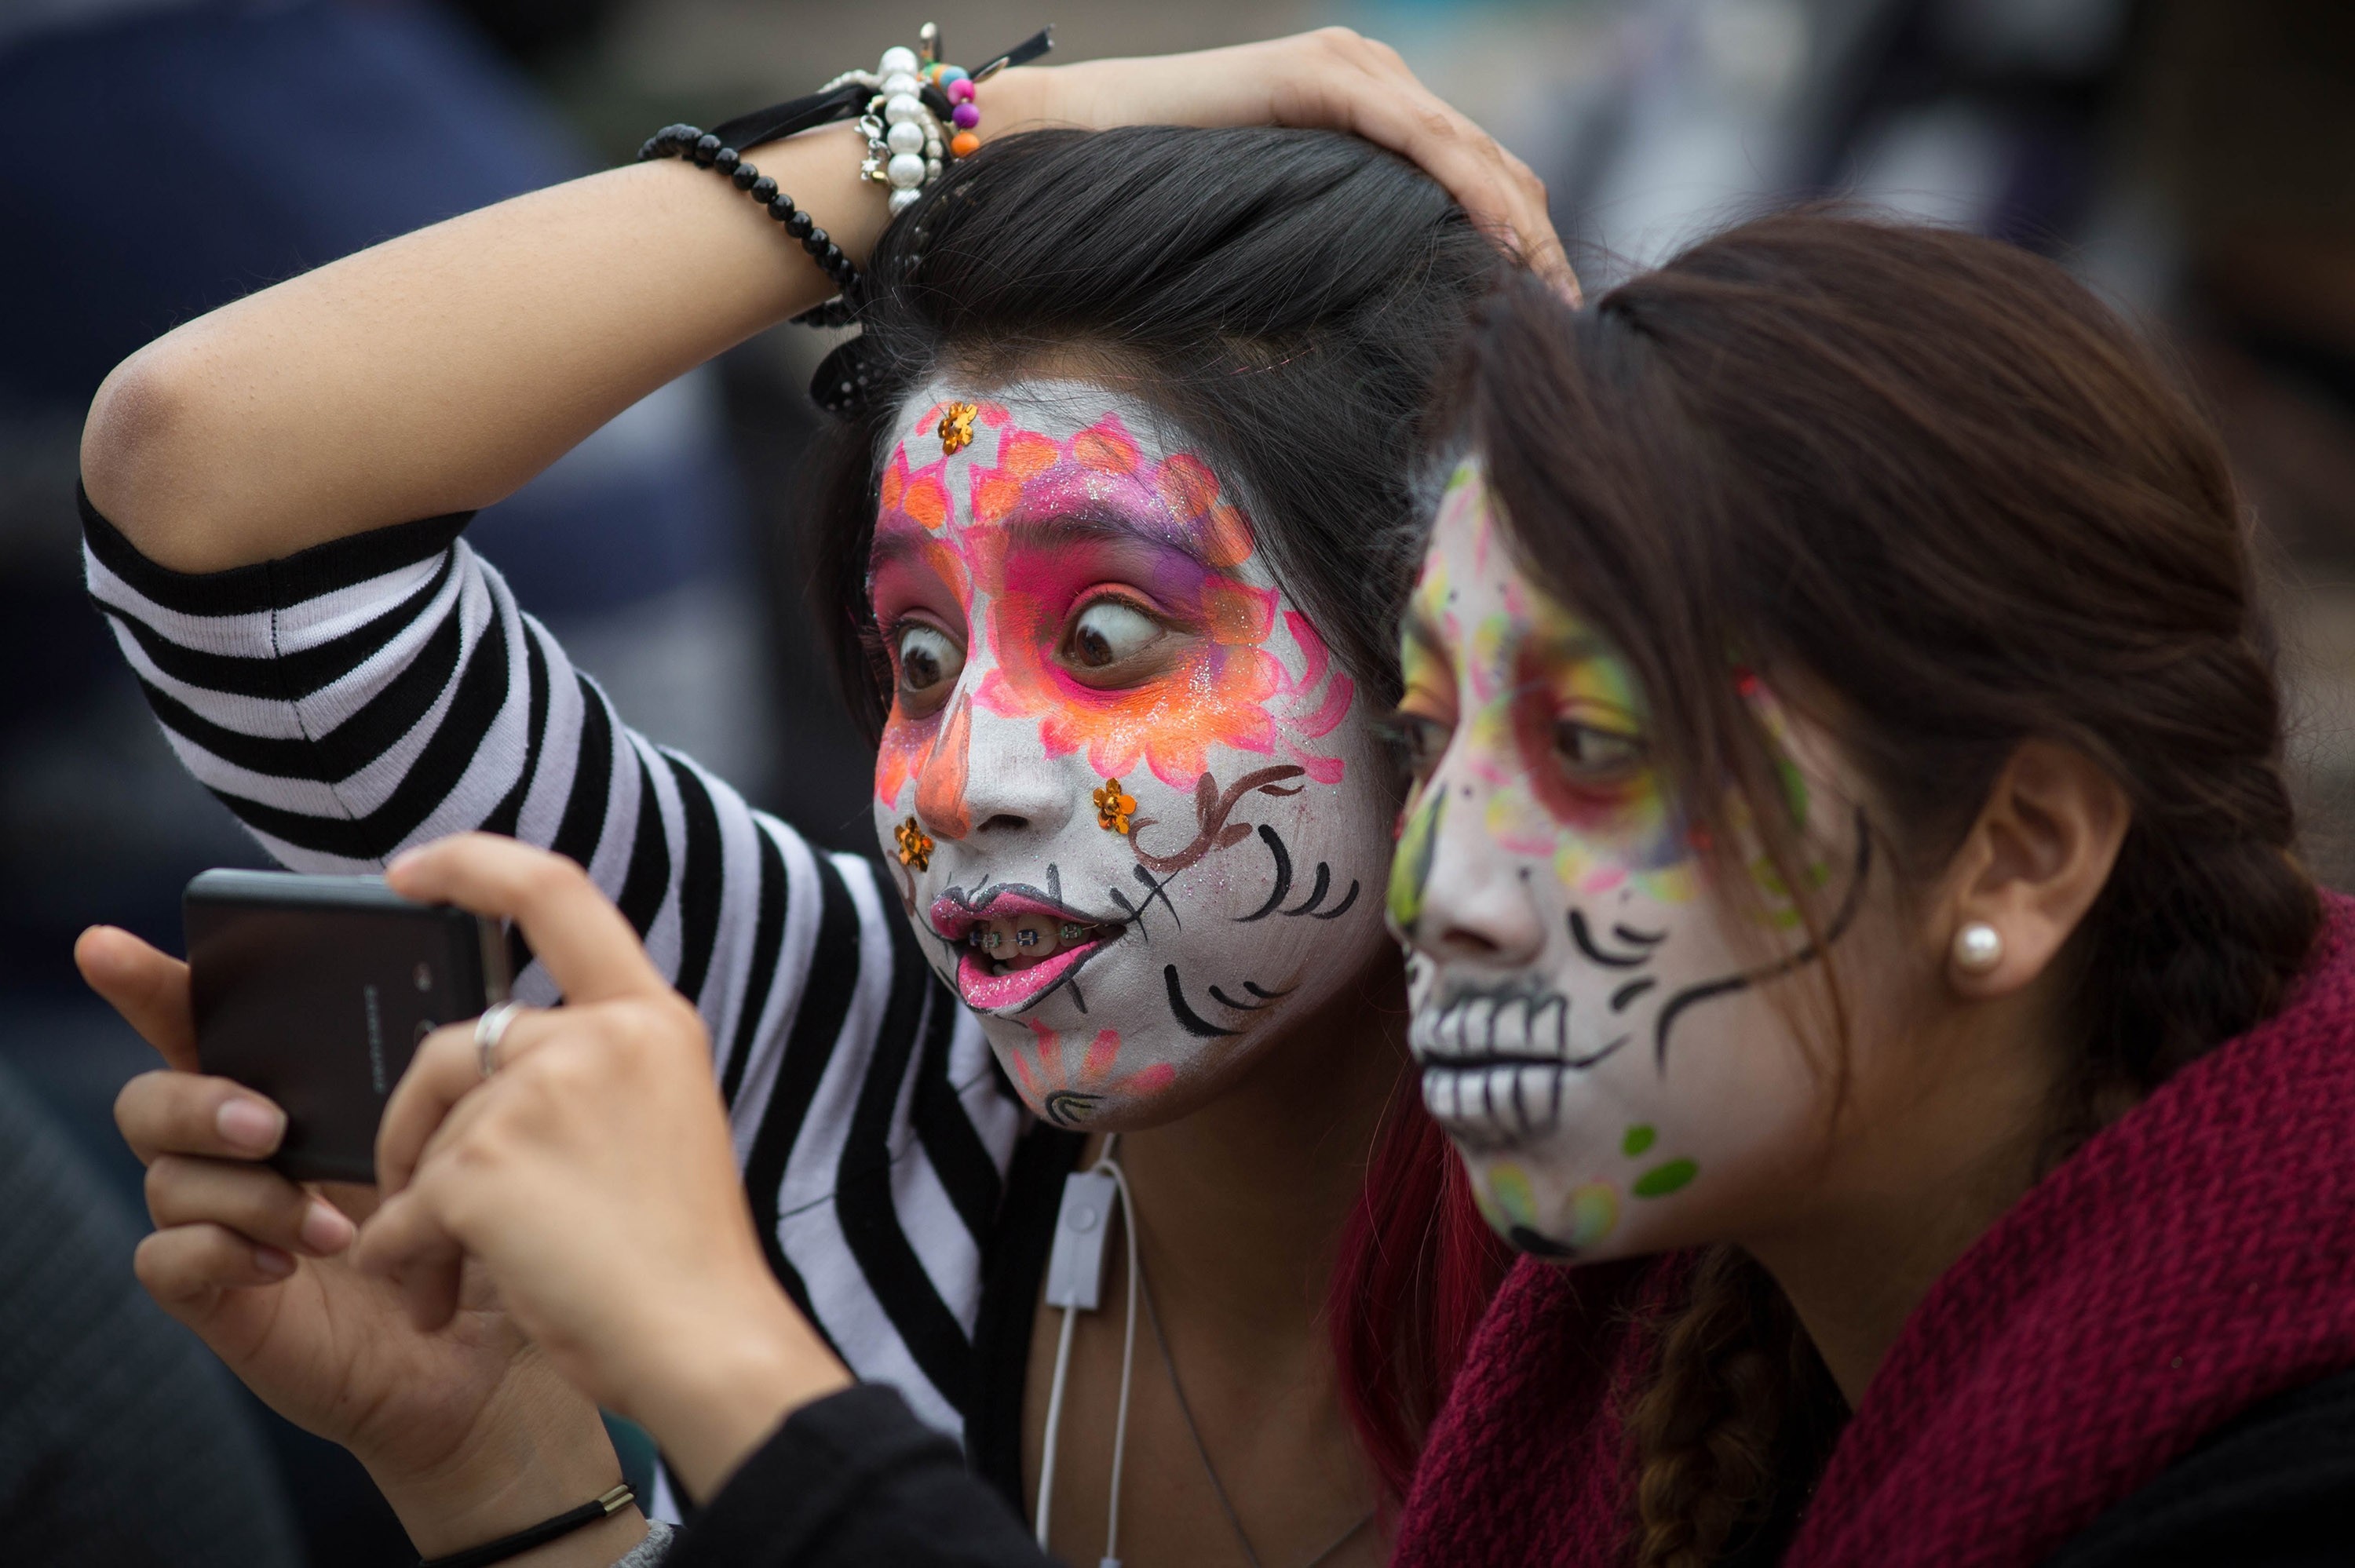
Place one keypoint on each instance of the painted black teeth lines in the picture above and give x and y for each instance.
(1522, 1022)
(1497, 1105)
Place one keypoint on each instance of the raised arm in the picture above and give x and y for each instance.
(439, 371)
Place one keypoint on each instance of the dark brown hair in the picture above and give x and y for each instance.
(1932, 479)
(1287, 297)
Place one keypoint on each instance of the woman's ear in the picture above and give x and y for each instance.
(2030, 868)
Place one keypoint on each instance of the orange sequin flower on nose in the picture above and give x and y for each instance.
(1112, 807)
(956, 428)
(915, 846)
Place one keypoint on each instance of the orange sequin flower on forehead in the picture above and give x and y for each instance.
(955, 429)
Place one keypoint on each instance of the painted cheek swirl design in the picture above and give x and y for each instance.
(1213, 806)
(1844, 916)
(1213, 831)
(1311, 906)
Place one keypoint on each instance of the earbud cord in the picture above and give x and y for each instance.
(1105, 1163)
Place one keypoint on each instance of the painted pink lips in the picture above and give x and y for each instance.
(991, 985)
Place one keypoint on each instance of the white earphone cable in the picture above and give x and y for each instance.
(1108, 1166)
(1054, 1423)
(1128, 1362)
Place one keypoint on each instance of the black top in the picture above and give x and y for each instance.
(1012, 1276)
(856, 1478)
(2275, 1488)
(855, 1481)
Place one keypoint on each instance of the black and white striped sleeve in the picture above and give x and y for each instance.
(384, 690)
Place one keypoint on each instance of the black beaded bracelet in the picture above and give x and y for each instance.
(707, 151)
(597, 1508)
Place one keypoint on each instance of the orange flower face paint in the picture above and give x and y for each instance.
(1069, 595)
(1591, 1017)
(1075, 515)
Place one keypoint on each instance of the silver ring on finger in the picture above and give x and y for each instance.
(489, 1030)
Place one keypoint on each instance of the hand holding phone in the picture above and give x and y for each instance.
(316, 991)
(594, 1176)
(467, 1435)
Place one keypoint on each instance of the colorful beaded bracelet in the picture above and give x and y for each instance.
(915, 91)
(941, 91)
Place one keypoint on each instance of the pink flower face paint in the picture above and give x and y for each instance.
(1071, 595)
(1593, 1018)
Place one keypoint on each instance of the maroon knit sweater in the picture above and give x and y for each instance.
(2194, 1258)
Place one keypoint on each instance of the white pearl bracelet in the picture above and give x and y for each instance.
(906, 145)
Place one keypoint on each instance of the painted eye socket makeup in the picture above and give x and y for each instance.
(1423, 726)
(1596, 755)
(929, 661)
(1111, 644)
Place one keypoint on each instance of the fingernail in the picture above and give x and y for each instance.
(272, 1262)
(325, 1228)
(250, 1124)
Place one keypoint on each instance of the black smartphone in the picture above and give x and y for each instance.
(316, 991)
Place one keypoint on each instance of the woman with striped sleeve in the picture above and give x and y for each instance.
(1121, 521)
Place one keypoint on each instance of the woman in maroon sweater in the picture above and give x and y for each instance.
(1856, 925)
(1856, 930)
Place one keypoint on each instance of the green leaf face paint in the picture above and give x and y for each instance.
(1410, 867)
(1591, 1015)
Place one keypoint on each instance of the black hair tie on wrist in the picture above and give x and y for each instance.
(598, 1508)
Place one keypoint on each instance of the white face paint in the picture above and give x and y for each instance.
(1594, 1019)
(1134, 802)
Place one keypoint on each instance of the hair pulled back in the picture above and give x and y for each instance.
(1935, 480)
(1287, 297)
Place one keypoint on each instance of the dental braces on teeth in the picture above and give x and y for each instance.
(1029, 940)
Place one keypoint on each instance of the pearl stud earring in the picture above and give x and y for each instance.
(1978, 947)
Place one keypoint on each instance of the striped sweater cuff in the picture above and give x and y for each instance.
(269, 585)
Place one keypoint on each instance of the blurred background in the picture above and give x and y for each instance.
(2193, 159)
